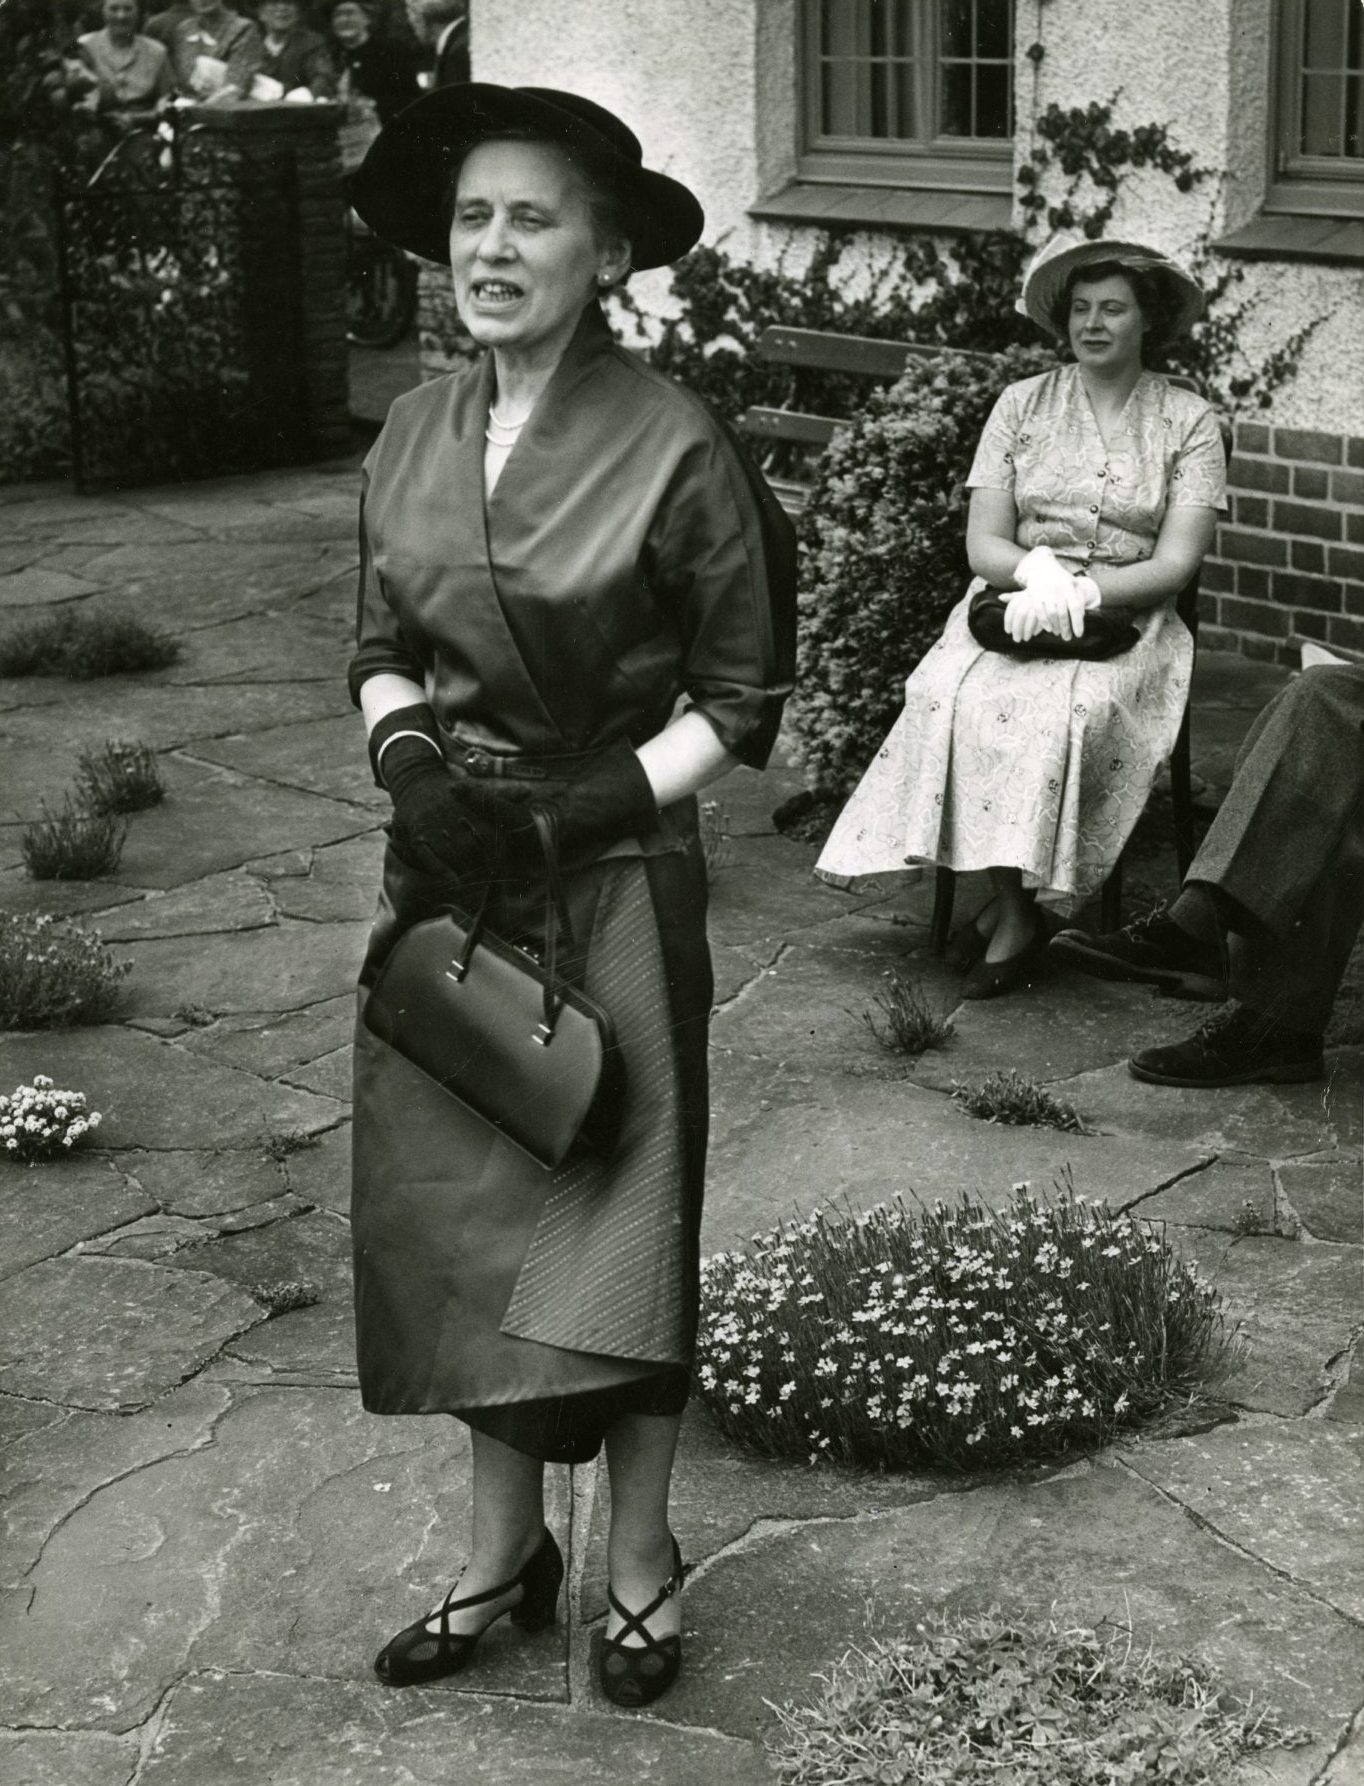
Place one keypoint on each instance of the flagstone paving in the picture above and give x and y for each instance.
(206, 1538)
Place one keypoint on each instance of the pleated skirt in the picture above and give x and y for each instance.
(540, 1307)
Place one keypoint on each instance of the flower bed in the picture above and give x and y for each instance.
(957, 1337)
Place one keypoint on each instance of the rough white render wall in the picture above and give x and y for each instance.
(709, 87)
(1203, 71)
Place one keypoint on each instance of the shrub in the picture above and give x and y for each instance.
(84, 646)
(38, 1122)
(73, 845)
(962, 297)
(1012, 1098)
(902, 1018)
(958, 1337)
(53, 975)
(119, 777)
(995, 1698)
(883, 543)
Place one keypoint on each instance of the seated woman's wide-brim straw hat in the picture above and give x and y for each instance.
(1053, 264)
(400, 187)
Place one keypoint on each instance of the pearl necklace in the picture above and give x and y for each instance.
(502, 434)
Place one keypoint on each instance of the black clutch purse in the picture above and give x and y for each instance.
(499, 1030)
(1105, 634)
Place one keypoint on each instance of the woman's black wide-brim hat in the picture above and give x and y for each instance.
(400, 187)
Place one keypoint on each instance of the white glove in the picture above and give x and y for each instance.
(1084, 596)
(1025, 614)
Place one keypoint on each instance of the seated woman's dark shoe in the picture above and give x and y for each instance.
(968, 943)
(992, 979)
(417, 1655)
(635, 1674)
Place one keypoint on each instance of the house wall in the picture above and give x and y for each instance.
(710, 88)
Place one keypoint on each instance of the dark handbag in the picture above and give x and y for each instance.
(502, 1032)
(1105, 634)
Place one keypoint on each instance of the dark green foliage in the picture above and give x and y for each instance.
(973, 1699)
(84, 646)
(119, 777)
(904, 1019)
(884, 554)
(73, 844)
(53, 975)
(1017, 1101)
(961, 298)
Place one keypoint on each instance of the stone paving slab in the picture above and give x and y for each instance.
(195, 1183)
(1291, 1495)
(1098, 1544)
(287, 967)
(241, 1730)
(129, 1330)
(47, 1208)
(276, 1043)
(319, 756)
(153, 1095)
(66, 1758)
(207, 907)
(267, 647)
(1325, 1196)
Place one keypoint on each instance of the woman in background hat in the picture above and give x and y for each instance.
(1094, 486)
(557, 545)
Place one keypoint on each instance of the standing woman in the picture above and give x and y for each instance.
(557, 545)
(1094, 486)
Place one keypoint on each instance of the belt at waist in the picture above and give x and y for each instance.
(479, 760)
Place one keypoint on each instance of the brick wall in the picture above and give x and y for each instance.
(1289, 558)
(303, 139)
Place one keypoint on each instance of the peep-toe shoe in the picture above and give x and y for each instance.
(635, 1674)
(417, 1655)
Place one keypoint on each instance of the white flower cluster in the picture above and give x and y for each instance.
(889, 1338)
(38, 1122)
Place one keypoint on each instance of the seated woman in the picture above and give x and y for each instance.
(132, 72)
(1093, 485)
(294, 54)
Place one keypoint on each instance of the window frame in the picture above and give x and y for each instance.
(1305, 185)
(935, 163)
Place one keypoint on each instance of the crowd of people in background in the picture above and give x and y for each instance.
(135, 58)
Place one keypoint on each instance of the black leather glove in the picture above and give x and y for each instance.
(432, 827)
(610, 800)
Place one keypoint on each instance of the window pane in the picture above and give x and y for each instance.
(955, 102)
(993, 81)
(1323, 97)
(994, 28)
(956, 27)
(1324, 21)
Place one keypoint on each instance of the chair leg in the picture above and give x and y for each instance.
(1181, 798)
(1110, 904)
(944, 892)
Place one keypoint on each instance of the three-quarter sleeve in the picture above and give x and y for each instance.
(993, 466)
(1198, 477)
(722, 559)
(380, 644)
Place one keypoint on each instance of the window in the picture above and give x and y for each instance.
(1319, 149)
(908, 93)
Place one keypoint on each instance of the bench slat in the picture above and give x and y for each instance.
(789, 424)
(859, 354)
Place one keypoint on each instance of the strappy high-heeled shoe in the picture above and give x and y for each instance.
(635, 1674)
(417, 1655)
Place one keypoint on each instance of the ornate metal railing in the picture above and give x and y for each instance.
(182, 320)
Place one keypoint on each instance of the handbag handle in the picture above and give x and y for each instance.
(557, 923)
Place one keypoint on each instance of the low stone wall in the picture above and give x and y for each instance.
(1289, 559)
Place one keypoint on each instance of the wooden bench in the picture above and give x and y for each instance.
(801, 434)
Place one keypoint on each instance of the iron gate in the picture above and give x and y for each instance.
(182, 314)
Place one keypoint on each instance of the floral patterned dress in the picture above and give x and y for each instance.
(1045, 764)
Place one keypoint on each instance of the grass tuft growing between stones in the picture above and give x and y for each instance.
(73, 844)
(1014, 1099)
(55, 975)
(284, 1298)
(284, 1142)
(979, 1700)
(83, 646)
(902, 1017)
(119, 776)
(953, 1337)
